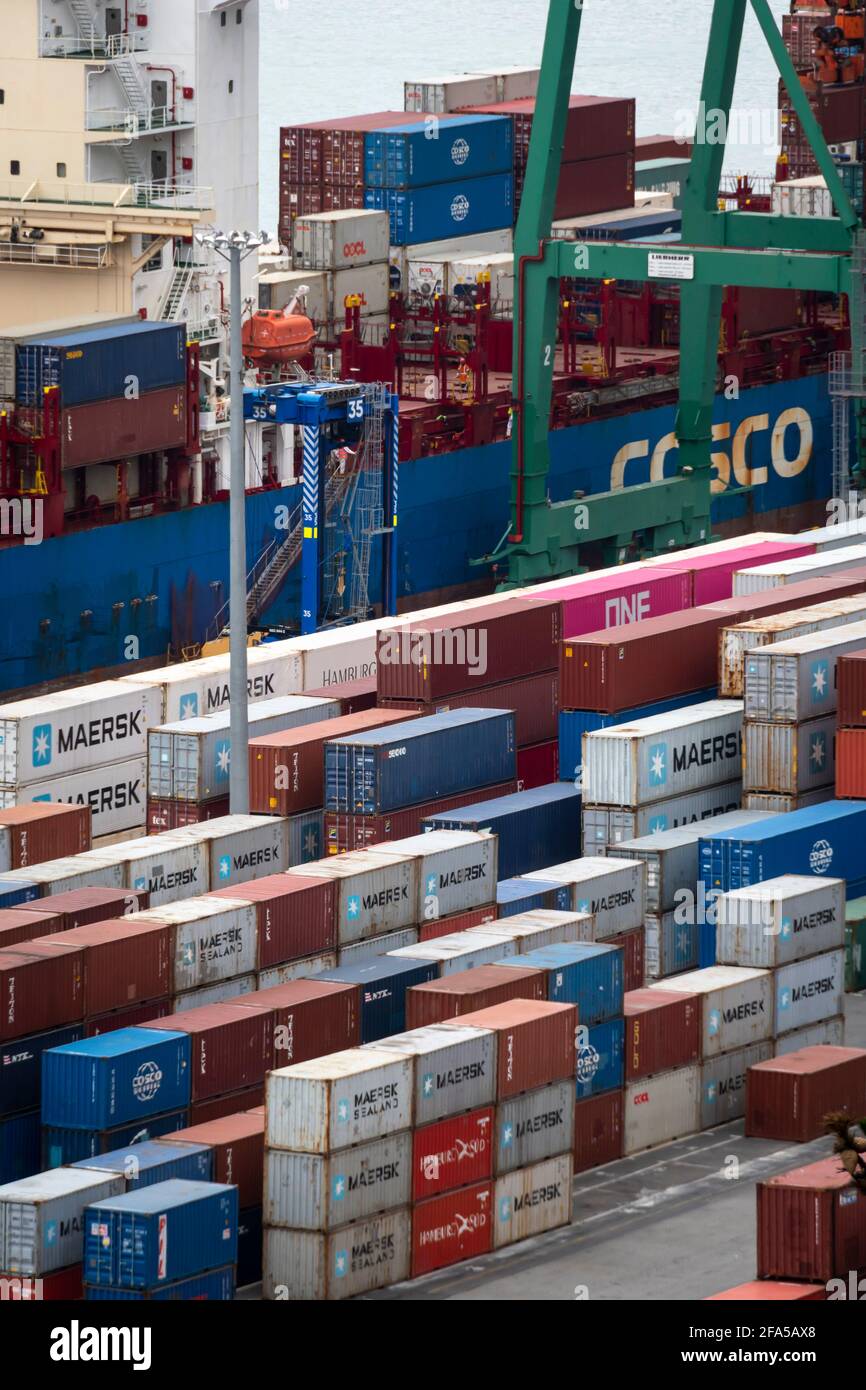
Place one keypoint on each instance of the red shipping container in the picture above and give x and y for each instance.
(43, 830)
(124, 962)
(800, 595)
(238, 1144)
(535, 1042)
(840, 112)
(594, 126)
(535, 701)
(61, 1286)
(712, 576)
(332, 151)
(811, 1224)
(662, 1031)
(452, 1153)
(80, 906)
(337, 196)
(121, 428)
(460, 921)
(468, 991)
(354, 696)
(633, 945)
(788, 1097)
(299, 200)
(232, 1047)
(598, 1130)
(771, 1291)
(202, 1112)
(851, 690)
(347, 832)
(538, 766)
(310, 1018)
(40, 988)
(174, 815)
(295, 916)
(851, 763)
(138, 1017)
(595, 185)
(661, 147)
(446, 1230)
(16, 925)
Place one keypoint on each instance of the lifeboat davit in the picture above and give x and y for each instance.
(274, 336)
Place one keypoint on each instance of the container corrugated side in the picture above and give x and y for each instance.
(604, 826)
(660, 1108)
(663, 756)
(75, 730)
(361, 951)
(789, 759)
(452, 1153)
(780, 921)
(662, 1032)
(723, 1083)
(788, 1098)
(332, 1102)
(465, 950)
(736, 641)
(241, 848)
(758, 578)
(795, 681)
(613, 890)
(303, 1265)
(316, 1192)
(598, 1130)
(116, 796)
(454, 1070)
(737, 1005)
(533, 1200)
(41, 1218)
(824, 840)
(809, 992)
(159, 1234)
(536, 827)
(456, 870)
(534, 930)
(115, 1078)
(811, 1224)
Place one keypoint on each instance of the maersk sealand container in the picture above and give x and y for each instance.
(827, 839)
(439, 211)
(103, 363)
(536, 827)
(423, 152)
(160, 1234)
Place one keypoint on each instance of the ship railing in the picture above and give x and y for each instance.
(204, 331)
(62, 257)
(847, 376)
(190, 197)
(122, 121)
(100, 47)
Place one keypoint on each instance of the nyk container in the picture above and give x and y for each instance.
(780, 920)
(153, 1161)
(382, 984)
(375, 893)
(312, 1266)
(723, 1083)
(62, 1146)
(236, 1145)
(455, 1069)
(32, 834)
(97, 363)
(75, 730)
(534, 699)
(664, 756)
(465, 147)
(611, 889)
(452, 1153)
(333, 1102)
(851, 689)
(42, 1218)
(450, 1228)
(605, 826)
(662, 1031)
(778, 574)
(811, 1224)
(534, 828)
(589, 976)
(788, 1097)
(40, 988)
(534, 1126)
(533, 1200)
(125, 962)
(316, 1192)
(795, 680)
(736, 642)
(106, 1081)
(809, 991)
(736, 1006)
(470, 991)
(457, 870)
(440, 210)
(823, 840)
(598, 1131)
(160, 1234)
(218, 1285)
(789, 759)
(214, 939)
(574, 724)
(660, 1108)
(295, 916)
(535, 1042)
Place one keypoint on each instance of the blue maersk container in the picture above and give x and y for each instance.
(117, 1078)
(827, 839)
(158, 1235)
(443, 210)
(20, 1146)
(217, 1286)
(588, 975)
(407, 764)
(600, 1058)
(62, 1147)
(150, 1162)
(102, 363)
(423, 152)
(536, 827)
(13, 894)
(21, 1067)
(517, 895)
(382, 983)
(573, 724)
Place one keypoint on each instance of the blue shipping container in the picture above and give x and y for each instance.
(536, 827)
(218, 1286)
(121, 1077)
(13, 894)
(515, 895)
(573, 724)
(160, 1234)
(102, 363)
(827, 840)
(250, 1241)
(20, 1147)
(588, 975)
(674, 947)
(706, 945)
(600, 1058)
(383, 982)
(63, 1147)
(443, 210)
(21, 1067)
(450, 147)
(407, 764)
(150, 1162)
(306, 838)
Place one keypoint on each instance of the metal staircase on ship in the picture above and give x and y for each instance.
(848, 381)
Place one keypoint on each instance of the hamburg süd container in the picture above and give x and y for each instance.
(159, 1234)
(456, 869)
(103, 1082)
(454, 1070)
(42, 1218)
(723, 1083)
(31, 834)
(535, 1042)
(534, 1126)
(453, 1227)
(794, 681)
(736, 1005)
(152, 1161)
(607, 826)
(375, 893)
(465, 147)
(789, 759)
(319, 1192)
(98, 363)
(231, 1047)
(295, 916)
(465, 993)
(353, 1260)
(598, 1130)
(778, 574)
(333, 1102)
(452, 1153)
(441, 210)
(809, 991)
(657, 1109)
(612, 890)
(662, 1031)
(824, 840)
(736, 642)
(532, 1200)
(533, 828)
(780, 920)
(663, 756)
(788, 1097)
(75, 730)
(811, 1224)
(40, 988)
(382, 985)
(589, 975)
(214, 940)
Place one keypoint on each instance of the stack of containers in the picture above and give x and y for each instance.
(855, 945)
(662, 1066)
(812, 1226)
(536, 827)
(457, 90)
(778, 572)
(42, 1229)
(32, 834)
(343, 256)
(737, 640)
(788, 1098)
(614, 892)
(825, 839)
(851, 723)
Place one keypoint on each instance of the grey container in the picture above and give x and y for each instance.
(770, 803)
(241, 848)
(533, 1127)
(311, 1266)
(604, 826)
(533, 1200)
(665, 755)
(455, 1068)
(735, 642)
(457, 870)
(809, 991)
(90, 870)
(315, 1192)
(361, 951)
(829, 1032)
(723, 1083)
(376, 893)
(671, 858)
(789, 759)
(795, 681)
(779, 921)
(611, 889)
(42, 1218)
(774, 575)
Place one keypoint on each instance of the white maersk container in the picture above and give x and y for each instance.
(660, 1108)
(319, 1192)
(376, 893)
(75, 730)
(533, 1200)
(723, 1083)
(440, 95)
(361, 951)
(534, 1126)
(671, 858)
(789, 759)
(808, 197)
(455, 1068)
(222, 993)
(663, 756)
(780, 920)
(605, 826)
(215, 939)
(462, 950)
(457, 870)
(95, 869)
(772, 803)
(196, 688)
(736, 1005)
(115, 793)
(829, 1033)
(612, 890)
(314, 1266)
(42, 1218)
(341, 239)
(297, 970)
(809, 992)
(531, 931)
(795, 681)
(736, 641)
(333, 1102)
(169, 867)
(239, 848)
(759, 578)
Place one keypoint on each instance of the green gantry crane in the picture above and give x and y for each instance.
(718, 249)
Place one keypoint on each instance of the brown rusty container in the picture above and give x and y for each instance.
(123, 427)
(353, 697)
(310, 1018)
(470, 990)
(662, 1031)
(238, 1143)
(45, 830)
(202, 1112)
(535, 701)
(163, 814)
(605, 184)
(16, 925)
(80, 906)
(788, 1097)
(460, 921)
(633, 945)
(40, 988)
(598, 1130)
(811, 1224)
(140, 1016)
(295, 916)
(232, 1047)
(851, 763)
(348, 832)
(125, 963)
(851, 690)
(535, 1042)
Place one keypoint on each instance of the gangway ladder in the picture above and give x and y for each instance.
(848, 379)
(178, 289)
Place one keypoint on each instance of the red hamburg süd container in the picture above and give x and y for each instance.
(238, 1144)
(662, 1031)
(202, 1112)
(455, 1227)
(460, 921)
(452, 1153)
(535, 1043)
(788, 1097)
(771, 1291)
(851, 690)
(633, 945)
(80, 906)
(455, 653)
(353, 696)
(125, 962)
(594, 126)
(232, 1047)
(468, 991)
(121, 428)
(40, 988)
(174, 815)
(851, 763)
(310, 1018)
(17, 925)
(44, 830)
(139, 1016)
(535, 701)
(60, 1286)
(295, 916)
(595, 185)
(598, 1130)
(347, 832)
(538, 766)
(811, 1224)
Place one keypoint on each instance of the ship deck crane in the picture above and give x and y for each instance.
(719, 248)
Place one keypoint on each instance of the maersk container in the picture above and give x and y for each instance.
(441, 210)
(795, 681)
(723, 1083)
(454, 1070)
(789, 759)
(573, 724)
(664, 756)
(605, 826)
(116, 795)
(671, 946)
(102, 362)
(671, 858)
(780, 920)
(215, 939)
(361, 951)
(588, 975)
(831, 1032)
(95, 869)
(127, 1075)
(150, 1162)
(464, 950)
(518, 895)
(62, 1147)
(457, 870)
(319, 1192)
(240, 848)
(376, 893)
(160, 1234)
(237, 988)
(534, 828)
(465, 147)
(75, 730)
(335, 1101)
(533, 1200)
(312, 1266)
(382, 984)
(20, 1146)
(168, 867)
(736, 1006)
(196, 689)
(217, 1286)
(21, 1067)
(385, 769)
(736, 642)
(826, 840)
(809, 991)
(534, 1126)
(658, 1109)
(613, 890)
(600, 1057)
(532, 931)
(759, 578)
(42, 1218)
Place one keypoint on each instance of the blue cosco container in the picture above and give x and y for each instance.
(12, 894)
(423, 152)
(217, 1286)
(62, 1148)
(600, 1058)
(160, 1234)
(20, 1146)
(516, 895)
(102, 363)
(21, 1067)
(573, 724)
(536, 827)
(148, 1163)
(382, 983)
(442, 210)
(589, 975)
(827, 839)
(407, 764)
(116, 1078)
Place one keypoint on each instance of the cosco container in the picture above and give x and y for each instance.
(113, 797)
(671, 858)
(241, 848)
(375, 893)
(757, 578)
(465, 147)
(780, 920)
(533, 1200)
(454, 1070)
(606, 826)
(588, 975)
(736, 642)
(231, 1046)
(662, 1031)
(160, 1234)
(437, 211)
(196, 689)
(534, 828)
(826, 840)
(75, 730)
(456, 870)
(809, 991)
(533, 1127)
(660, 1108)
(574, 724)
(98, 363)
(382, 984)
(664, 756)
(353, 1260)
(723, 1083)
(214, 940)
(470, 991)
(333, 1102)
(789, 759)
(535, 1042)
(514, 896)
(598, 1131)
(295, 916)
(788, 1097)
(736, 1006)
(613, 890)
(106, 1081)
(316, 1192)
(600, 1060)
(42, 1218)
(811, 1224)
(153, 1161)
(796, 680)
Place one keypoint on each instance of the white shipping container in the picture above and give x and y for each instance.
(515, 84)
(605, 826)
(771, 803)
(789, 759)
(215, 940)
(809, 991)
(306, 289)
(194, 688)
(457, 870)
(332, 1102)
(723, 1083)
(808, 197)
(376, 893)
(795, 681)
(241, 848)
(664, 755)
(440, 95)
(759, 578)
(296, 970)
(839, 533)
(96, 869)
(543, 927)
(465, 950)
(319, 1192)
(830, 1032)
(307, 1265)
(612, 890)
(115, 793)
(534, 1126)
(336, 240)
(779, 627)
(433, 254)
(533, 1200)
(455, 1068)
(361, 951)
(169, 867)
(660, 1108)
(463, 276)
(75, 730)
(780, 920)
(736, 1005)
(42, 1218)
(214, 994)
(370, 284)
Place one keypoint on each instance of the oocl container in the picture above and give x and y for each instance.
(42, 1218)
(118, 1077)
(775, 575)
(456, 870)
(333, 1102)
(231, 1047)
(811, 1224)
(535, 1042)
(533, 828)
(454, 1070)
(74, 730)
(780, 920)
(214, 940)
(608, 826)
(664, 756)
(335, 240)
(795, 680)
(350, 1261)
(809, 991)
(382, 984)
(316, 1192)
(788, 1097)
(375, 893)
(824, 840)
(735, 642)
(295, 916)
(662, 1031)
(660, 1108)
(613, 890)
(736, 1006)
(533, 1200)
(40, 988)
(159, 1234)
(723, 1083)
(452, 1153)
(456, 995)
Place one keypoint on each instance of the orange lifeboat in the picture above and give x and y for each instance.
(275, 336)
